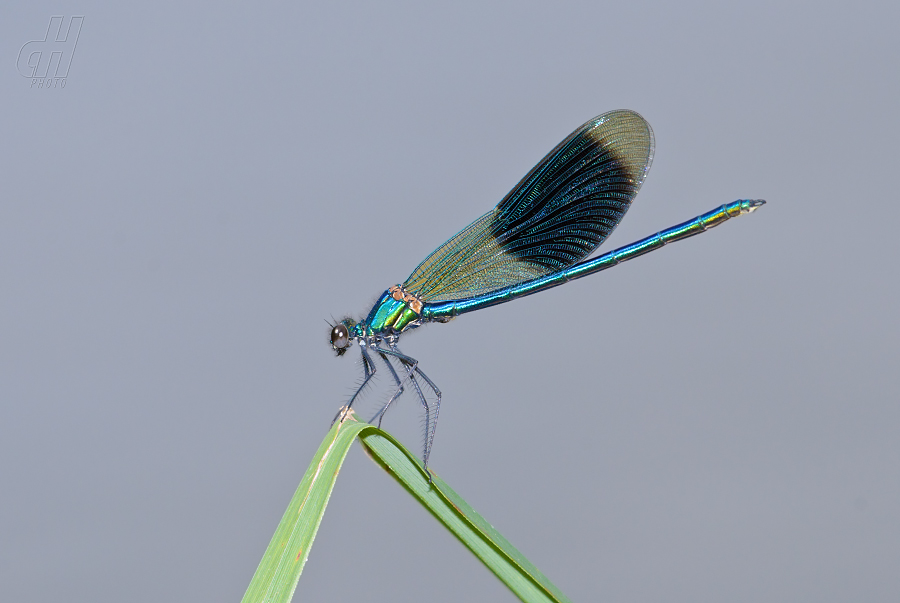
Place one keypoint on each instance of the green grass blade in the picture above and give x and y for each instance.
(480, 537)
(276, 577)
(278, 572)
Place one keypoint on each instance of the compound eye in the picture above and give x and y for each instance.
(340, 337)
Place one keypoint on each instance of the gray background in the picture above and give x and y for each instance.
(715, 421)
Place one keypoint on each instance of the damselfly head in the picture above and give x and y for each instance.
(340, 336)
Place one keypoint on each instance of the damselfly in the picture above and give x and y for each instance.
(537, 237)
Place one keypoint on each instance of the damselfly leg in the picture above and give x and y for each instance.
(380, 414)
(432, 409)
(368, 373)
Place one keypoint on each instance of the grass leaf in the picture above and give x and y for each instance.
(278, 572)
(276, 577)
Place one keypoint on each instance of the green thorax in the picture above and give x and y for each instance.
(392, 315)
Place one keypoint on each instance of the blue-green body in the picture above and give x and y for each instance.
(390, 316)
